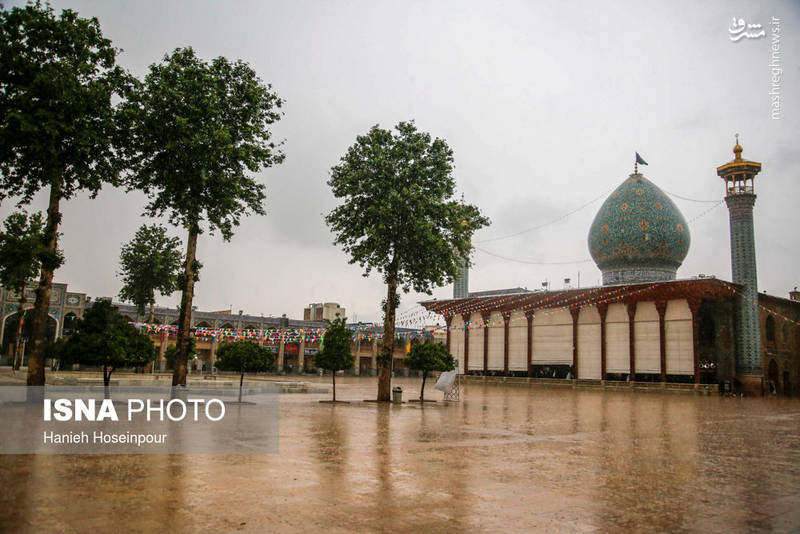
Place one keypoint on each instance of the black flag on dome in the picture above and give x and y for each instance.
(640, 160)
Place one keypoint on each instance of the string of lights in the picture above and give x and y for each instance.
(560, 306)
(709, 210)
(553, 221)
(689, 199)
(546, 306)
(717, 203)
(527, 262)
(579, 208)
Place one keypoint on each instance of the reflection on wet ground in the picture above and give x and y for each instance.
(503, 459)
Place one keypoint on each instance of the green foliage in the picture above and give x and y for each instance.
(197, 129)
(335, 354)
(58, 76)
(150, 262)
(395, 303)
(58, 126)
(429, 357)
(398, 217)
(181, 278)
(104, 337)
(20, 249)
(398, 214)
(172, 351)
(244, 357)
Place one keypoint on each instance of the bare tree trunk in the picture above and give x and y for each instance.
(38, 340)
(152, 317)
(333, 374)
(20, 311)
(422, 391)
(385, 364)
(185, 319)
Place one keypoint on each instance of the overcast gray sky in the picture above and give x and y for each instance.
(543, 104)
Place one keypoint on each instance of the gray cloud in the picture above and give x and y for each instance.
(543, 106)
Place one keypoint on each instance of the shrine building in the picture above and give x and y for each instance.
(644, 324)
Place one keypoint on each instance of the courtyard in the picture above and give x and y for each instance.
(502, 459)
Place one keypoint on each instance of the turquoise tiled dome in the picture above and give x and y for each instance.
(639, 235)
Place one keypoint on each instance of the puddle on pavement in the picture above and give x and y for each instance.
(510, 459)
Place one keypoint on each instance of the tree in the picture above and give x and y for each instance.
(427, 357)
(197, 130)
(150, 262)
(244, 357)
(20, 247)
(335, 352)
(105, 338)
(172, 351)
(399, 218)
(58, 76)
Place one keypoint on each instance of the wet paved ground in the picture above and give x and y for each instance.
(504, 459)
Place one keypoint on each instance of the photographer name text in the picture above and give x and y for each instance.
(99, 437)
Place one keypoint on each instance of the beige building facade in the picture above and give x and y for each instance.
(323, 311)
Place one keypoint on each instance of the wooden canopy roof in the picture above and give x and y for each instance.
(701, 288)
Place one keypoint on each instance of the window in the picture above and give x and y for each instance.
(770, 329)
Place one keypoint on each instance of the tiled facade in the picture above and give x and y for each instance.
(638, 235)
(632, 276)
(743, 267)
(64, 306)
(461, 284)
(740, 197)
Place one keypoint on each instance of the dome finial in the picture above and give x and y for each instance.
(737, 150)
